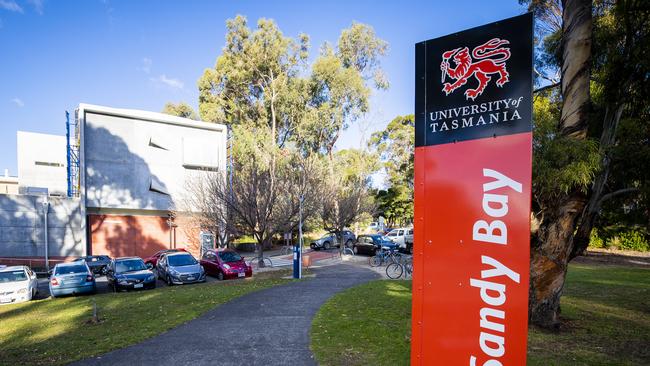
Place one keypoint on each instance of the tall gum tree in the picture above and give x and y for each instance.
(599, 87)
(262, 87)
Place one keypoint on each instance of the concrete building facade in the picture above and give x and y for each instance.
(135, 166)
(22, 228)
(41, 163)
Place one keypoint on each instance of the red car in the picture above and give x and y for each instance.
(154, 258)
(225, 264)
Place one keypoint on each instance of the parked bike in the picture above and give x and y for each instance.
(385, 255)
(397, 270)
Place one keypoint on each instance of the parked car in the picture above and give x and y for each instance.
(179, 268)
(370, 244)
(154, 258)
(97, 263)
(225, 264)
(327, 241)
(129, 273)
(402, 237)
(17, 284)
(72, 278)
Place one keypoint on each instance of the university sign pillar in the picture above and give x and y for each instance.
(473, 160)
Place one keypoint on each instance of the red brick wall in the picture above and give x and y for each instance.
(142, 236)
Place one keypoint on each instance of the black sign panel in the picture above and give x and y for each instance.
(475, 83)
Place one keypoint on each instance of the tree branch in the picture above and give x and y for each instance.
(546, 87)
(617, 193)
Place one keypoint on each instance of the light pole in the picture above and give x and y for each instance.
(302, 198)
(297, 254)
(46, 209)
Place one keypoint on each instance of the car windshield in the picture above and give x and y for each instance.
(229, 257)
(129, 265)
(70, 270)
(181, 260)
(13, 276)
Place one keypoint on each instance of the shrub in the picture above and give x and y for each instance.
(595, 241)
(634, 240)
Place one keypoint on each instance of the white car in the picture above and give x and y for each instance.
(17, 284)
(402, 237)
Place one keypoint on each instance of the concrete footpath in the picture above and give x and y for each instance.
(268, 327)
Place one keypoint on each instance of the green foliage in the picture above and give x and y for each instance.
(560, 163)
(181, 109)
(395, 147)
(630, 240)
(620, 237)
(360, 49)
(595, 241)
(287, 114)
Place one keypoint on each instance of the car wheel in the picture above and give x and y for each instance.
(326, 245)
(220, 276)
(169, 281)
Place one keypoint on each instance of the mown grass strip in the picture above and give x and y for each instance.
(605, 310)
(58, 331)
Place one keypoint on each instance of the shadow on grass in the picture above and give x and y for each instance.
(57, 331)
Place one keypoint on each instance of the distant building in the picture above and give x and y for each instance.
(41, 164)
(8, 184)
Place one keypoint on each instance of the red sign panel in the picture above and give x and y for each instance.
(472, 196)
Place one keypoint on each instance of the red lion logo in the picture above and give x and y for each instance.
(478, 64)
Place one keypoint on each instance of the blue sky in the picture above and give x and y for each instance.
(141, 54)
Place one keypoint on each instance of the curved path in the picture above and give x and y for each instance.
(267, 327)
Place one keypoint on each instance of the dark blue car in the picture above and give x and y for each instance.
(129, 273)
(370, 244)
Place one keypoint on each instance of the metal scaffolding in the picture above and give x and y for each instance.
(72, 156)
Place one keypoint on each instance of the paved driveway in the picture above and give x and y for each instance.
(268, 327)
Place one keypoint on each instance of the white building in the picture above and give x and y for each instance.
(41, 163)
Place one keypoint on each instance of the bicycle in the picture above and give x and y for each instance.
(267, 261)
(286, 250)
(386, 255)
(396, 270)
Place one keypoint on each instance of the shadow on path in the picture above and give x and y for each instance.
(268, 327)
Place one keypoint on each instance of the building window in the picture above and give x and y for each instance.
(45, 163)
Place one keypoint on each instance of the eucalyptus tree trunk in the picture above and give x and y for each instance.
(552, 243)
(608, 138)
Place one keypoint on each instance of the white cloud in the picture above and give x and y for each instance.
(146, 65)
(37, 4)
(18, 102)
(10, 5)
(170, 82)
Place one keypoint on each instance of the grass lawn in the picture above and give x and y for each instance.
(606, 311)
(57, 331)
